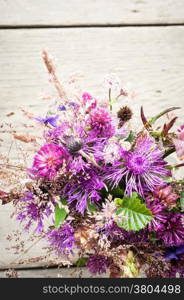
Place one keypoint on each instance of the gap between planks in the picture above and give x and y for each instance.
(47, 26)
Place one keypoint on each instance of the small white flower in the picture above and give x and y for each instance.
(111, 152)
(112, 81)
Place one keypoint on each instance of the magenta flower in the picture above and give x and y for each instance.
(172, 232)
(100, 123)
(98, 264)
(89, 101)
(142, 169)
(48, 160)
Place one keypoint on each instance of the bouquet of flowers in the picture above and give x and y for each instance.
(103, 190)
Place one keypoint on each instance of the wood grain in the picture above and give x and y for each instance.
(55, 273)
(150, 59)
(90, 12)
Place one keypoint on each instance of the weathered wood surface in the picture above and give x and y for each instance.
(150, 59)
(72, 272)
(90, 12)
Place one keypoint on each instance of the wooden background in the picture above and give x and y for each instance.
(142, 41)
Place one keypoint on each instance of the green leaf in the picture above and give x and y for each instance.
(135, 215)
(63, 201)
(60, 215)
(91, 207)
(130, 138)
(81, 262)
(154, 119)
(117, 192)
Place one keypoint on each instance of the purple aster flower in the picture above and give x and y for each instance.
(141, 169)
(172, 232)
(48, 160)
(52, 120)
(159, 217)
(57, 133)
(62, 239)
(98, 264)
(100, 122)
(32, 210)
(83, 187)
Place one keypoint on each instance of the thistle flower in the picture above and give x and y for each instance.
(100, 123)
(159, 217)
(172, 232)
(141, 169)
(62, 239)
(98, 264)
(48, 160)
(83, 187)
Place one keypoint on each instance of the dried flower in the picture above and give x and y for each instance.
(124, 114)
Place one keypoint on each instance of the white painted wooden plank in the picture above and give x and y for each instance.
(150, 59)
(82, 12)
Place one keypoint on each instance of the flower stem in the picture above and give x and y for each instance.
(110, 100)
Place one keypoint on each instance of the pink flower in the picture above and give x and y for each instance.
(48, 160)
(179, 142)
(166, 196)
(100, 122)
